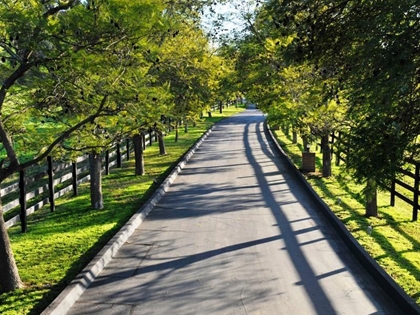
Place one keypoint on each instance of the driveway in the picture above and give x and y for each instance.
(235, 234)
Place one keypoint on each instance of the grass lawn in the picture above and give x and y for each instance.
(395, 240)
(60, 244)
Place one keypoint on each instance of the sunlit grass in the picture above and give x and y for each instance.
(395, 240)
(60, 244)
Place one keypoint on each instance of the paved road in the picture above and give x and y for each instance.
(235, 234)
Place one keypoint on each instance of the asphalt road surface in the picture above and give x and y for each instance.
(235, 234)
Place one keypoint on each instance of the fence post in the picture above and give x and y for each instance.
(119, 155)
(22, 201)
(128, 148)
(107, 162)
(74, 178)
(416, 192)
(51, 183)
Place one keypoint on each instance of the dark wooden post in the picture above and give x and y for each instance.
(74, 178)
(51, 183)
(107, 162)
(416, 192)
(119, 163)
(22, 201)
(128, 148)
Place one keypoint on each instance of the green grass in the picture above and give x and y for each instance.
(60, 244)
(395, 239)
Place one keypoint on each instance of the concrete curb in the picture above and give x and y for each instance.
(62, 304)
(388, 285)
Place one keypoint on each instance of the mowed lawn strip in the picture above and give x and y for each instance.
(394, 241)
(60, 244)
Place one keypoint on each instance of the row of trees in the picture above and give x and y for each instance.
(79, 75)
(322, 66)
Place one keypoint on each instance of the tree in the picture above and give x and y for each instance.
(183, 63)
(369, 48)
(291, 90)
(49, 52)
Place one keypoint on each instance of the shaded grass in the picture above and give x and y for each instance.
(395, 240)
(60, 244)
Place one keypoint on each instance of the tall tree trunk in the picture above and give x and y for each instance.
(162, 148)
(287, 129)
(220, 107)
(96, 198)
(176, 131)
(305, 143)
(186, 128)
(371, 194)
(138, 154)
(326, 157)
(9, 275)
(294, 135)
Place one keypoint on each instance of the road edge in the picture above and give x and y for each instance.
(65, 300)
(387, 284)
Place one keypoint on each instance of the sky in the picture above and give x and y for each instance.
(232, 16)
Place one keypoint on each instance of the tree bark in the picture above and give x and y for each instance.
(96, 198)
(176, 131)
(294, 137)
(138, 154)
(162, 147)
(287, 129)
(305, 143)
(9, 275)
(326, 157)
(371, 199)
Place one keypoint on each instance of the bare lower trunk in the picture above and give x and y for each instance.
(305, 142)
(96, 197)
(9, 275)
(138, 154)
(294, 137)
(162, 148)
(287, 129)
(326, 157)
(371, 199)
(176, 131)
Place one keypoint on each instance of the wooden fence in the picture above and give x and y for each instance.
(409, 190)
(67, 176)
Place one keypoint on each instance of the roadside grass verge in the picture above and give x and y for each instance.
(60, 244)
(395, 240)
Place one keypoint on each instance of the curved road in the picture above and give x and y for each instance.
(234, 234)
